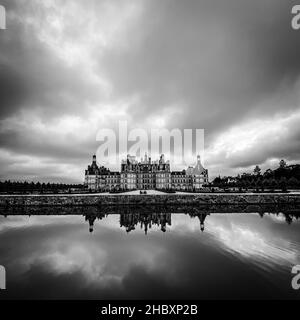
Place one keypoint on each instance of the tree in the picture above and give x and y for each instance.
(263, 185)
(217, 181)
(240, 185)
(293, 182)
(259, 184)
(282, 184)
(257, 171)
(282, 164)
(268, 173)
(274, 184)
(247, 185)
(252, 184)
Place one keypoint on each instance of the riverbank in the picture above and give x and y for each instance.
(137, 199)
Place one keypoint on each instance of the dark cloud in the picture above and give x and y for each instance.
(203, 64)
(219, 59)
(32, 75)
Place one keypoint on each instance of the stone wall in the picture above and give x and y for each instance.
(167, 199)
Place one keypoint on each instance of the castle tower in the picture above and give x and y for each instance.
(202, 219)
(91, 223)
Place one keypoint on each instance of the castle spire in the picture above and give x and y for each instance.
(198, 159)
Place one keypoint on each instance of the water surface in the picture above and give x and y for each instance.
(149, 255)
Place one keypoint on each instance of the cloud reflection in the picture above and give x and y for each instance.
(51, 257)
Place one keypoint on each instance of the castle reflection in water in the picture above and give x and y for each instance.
(132, 218)
(130, 221)
(146, 221)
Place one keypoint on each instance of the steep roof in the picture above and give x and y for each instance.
(198, 169)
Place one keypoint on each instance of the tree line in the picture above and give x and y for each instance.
(284, 177)
(32, 187)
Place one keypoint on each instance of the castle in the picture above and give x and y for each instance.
(145, 175)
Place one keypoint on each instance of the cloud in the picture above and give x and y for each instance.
(261, 140)
(68, 69)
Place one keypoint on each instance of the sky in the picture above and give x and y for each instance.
(70, 68)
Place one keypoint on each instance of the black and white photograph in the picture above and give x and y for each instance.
(149, 151)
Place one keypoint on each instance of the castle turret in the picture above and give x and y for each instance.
(91, 223)
(202, 219)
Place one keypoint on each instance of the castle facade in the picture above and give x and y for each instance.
(145, 175)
